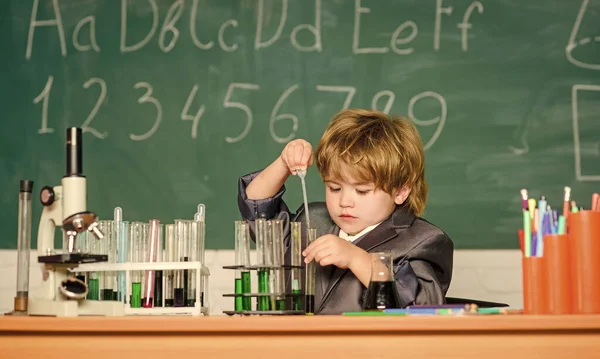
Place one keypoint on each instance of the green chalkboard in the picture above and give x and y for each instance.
(179, 98)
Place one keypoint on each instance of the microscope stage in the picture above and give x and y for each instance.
(73, 258)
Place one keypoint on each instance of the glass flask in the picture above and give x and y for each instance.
(381, 293)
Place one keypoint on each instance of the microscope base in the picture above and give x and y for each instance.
(75, 308)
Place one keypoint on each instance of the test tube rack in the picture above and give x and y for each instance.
(202, 279)
(256, 295)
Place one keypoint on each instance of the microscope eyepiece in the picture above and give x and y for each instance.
(74, 149)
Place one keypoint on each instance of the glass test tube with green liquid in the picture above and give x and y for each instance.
(170, 256)
(262, 301)
(296, 260)
(309, 297)
(242, 259)
(92, 247)
(277, 273)
(136, 253)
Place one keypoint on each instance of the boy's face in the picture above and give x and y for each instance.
(355, 206)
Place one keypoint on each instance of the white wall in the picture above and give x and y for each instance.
(479, 274)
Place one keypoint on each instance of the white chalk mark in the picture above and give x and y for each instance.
(356, 33)
(440, 120)
(173, 15)
(91, 20)
(573, 43)
(314, 29)
(390, 102)
(185, 116)
(224, 46)
(227, 103)
(439, 10)
(44, 96)
(283, 116)
(576, 141)
(193, 15)
(464, 26)
(139, 45)
(57, 21)
(349, 90)
(147, 97)
(259, 24)
(86, 125)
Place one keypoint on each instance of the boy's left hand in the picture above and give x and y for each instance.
(331, 249)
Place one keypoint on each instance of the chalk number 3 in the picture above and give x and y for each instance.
(147, 97)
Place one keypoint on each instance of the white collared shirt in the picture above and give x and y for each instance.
(351, 238)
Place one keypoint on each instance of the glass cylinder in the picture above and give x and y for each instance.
(136, 255)
(278, 272)
(171, 257)
(107, 280)
(309, 290)
(262, 302)
(122, 230)
(296, 261)
(381, 293)
(151, 257)
(182, 233)
(23, 245)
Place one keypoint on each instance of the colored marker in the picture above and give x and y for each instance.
(372, 314)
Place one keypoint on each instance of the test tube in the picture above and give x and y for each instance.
(158, 274)
(122, 239)
(23, 246)
(170, 256)
(278, 273)
(193, 257)
(296, 261)
(106, 243)
(262, 302)
(123, 257)
(242, 259)
(135, 256)
(246, 281)
(200, 216)
(268, 255)
(309, 296)
(151, 255)
(238, 307)
(93, 247)
(182, 230)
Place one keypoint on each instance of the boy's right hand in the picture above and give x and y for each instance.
(297, 154)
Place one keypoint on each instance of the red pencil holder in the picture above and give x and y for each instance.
(557, 251)
(584, 235)
(535, 285)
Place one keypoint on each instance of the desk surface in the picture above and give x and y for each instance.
(299, 324)
(491, 336)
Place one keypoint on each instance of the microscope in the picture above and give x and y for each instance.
(62, 294)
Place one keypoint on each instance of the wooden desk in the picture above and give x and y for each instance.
(483, 337)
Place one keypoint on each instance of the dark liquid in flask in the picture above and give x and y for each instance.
(381, 295)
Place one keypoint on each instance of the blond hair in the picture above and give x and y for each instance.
(375, 148)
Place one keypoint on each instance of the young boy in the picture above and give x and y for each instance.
(374, 172)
